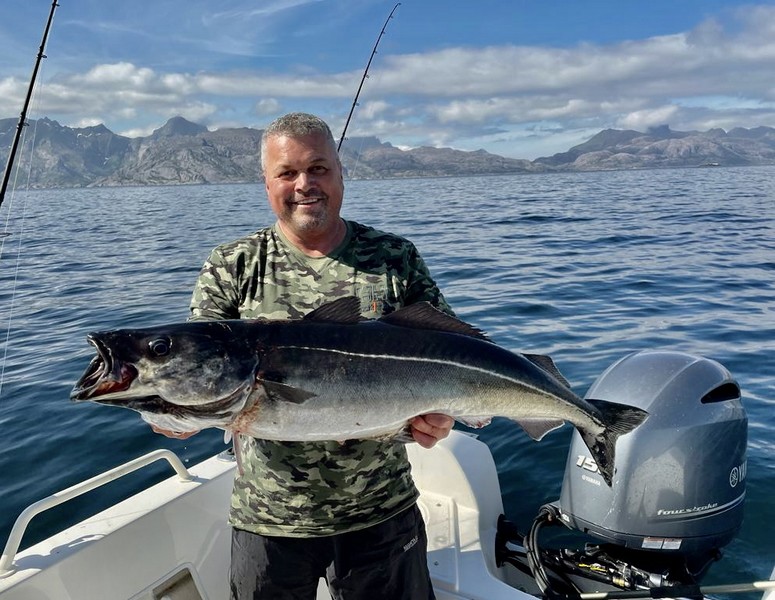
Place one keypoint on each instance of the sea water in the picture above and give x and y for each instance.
(585, 267)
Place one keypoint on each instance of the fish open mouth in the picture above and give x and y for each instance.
(108, 380)
(104, 376)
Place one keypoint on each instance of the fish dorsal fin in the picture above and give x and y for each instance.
(547, 364)
(346, 311)
(423, 315)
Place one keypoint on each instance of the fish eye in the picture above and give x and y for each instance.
(160, 346)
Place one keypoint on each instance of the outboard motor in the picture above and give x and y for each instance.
(679, 483)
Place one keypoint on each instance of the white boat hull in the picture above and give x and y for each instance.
(173, 540)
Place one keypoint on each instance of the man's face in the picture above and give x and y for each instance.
(304, 184)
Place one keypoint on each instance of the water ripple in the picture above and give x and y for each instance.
(586, 267)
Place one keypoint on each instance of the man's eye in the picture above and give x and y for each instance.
(318, 170)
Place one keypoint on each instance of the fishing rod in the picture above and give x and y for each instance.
(23, 117)
(365, 75)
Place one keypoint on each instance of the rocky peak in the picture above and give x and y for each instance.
(178, 126)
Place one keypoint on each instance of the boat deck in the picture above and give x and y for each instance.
(172, 540)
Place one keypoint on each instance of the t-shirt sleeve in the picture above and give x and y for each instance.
(420, 284)
(215, 293)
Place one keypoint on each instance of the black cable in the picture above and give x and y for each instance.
(547, 515)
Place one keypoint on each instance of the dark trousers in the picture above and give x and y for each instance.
(386, 561)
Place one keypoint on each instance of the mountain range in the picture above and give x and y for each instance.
(182, 152)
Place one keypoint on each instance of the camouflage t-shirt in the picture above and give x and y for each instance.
(308, 489)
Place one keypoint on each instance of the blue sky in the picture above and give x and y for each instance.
(515, 77)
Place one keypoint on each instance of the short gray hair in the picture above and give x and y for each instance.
(295, 124)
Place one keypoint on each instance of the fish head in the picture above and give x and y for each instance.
(198, 369)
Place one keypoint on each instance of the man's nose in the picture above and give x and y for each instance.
(305, 181)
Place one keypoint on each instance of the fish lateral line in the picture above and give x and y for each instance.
(431, 360)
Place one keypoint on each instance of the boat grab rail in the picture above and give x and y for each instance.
(20, 526)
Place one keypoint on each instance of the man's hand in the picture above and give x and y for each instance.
(429, 429)
(178, 435)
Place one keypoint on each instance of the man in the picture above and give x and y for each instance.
(301, 511)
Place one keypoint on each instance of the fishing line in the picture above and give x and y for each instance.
(21, 136)
(19, 236)
(17, 266)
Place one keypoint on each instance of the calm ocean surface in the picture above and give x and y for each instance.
(584, 267)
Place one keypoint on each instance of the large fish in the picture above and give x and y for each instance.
(335, 376)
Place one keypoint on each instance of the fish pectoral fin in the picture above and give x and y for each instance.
(538, 428)
(280, 392)
(403, 436)
(547, 364)
(474, 422)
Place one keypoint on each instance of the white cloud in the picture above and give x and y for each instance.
(718, 72)
(87, 122)
(267, 106)
(642, 120)
(124, 75)
(137, 132)
(11, 96)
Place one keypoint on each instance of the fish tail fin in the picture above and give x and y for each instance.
(617, 419)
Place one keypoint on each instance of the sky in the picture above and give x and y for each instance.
(518, 78)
